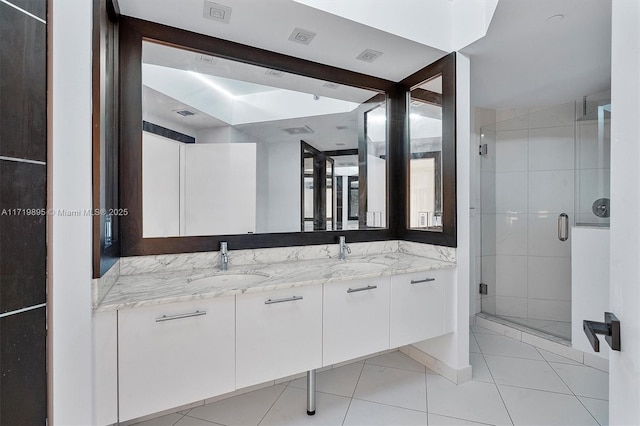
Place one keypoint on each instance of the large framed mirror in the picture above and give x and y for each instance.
(211, 146)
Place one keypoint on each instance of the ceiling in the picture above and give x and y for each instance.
(524, 60)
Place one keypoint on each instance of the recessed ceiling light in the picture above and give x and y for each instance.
(216, 12)
(555, 18)
(331, 85)
(302, 36)
(274, 73)
(369, 55)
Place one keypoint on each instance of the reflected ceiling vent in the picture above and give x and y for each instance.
(298, 130)
(331, 85)
(185, 112)
(342, 128)
(302, 36)
(205, 59)
(274, 73)
(216, 12)
(369, 55)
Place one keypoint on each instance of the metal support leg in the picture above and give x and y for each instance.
(311, 392)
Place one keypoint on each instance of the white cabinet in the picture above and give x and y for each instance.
(279, 333)
(355, 319)
(418, 309)
(174, 354)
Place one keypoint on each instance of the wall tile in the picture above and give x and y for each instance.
(511, 276)
(488, 161)
(549, 278)
(488, 192)
(543, 236)
(23, 388)
(22, 236)
(489, 272)
(551, 192)
(23, 124)
(511, 234)
(511, 192)
(551, 148)
(592, 185)
(488, 234)
(593, 152)
(552, 116)
(511, 151)
(511, 306)
(555, 310)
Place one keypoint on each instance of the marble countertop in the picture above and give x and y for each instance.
(154, 288)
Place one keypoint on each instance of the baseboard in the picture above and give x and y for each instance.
(450, 373)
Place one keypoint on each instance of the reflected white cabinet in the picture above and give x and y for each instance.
(355, 319)
(279, 333)
(175, 354)
(418, 309)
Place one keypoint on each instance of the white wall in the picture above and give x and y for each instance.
(70, 244)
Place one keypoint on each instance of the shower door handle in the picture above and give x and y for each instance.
(563, 227)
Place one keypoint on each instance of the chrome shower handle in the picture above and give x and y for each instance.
(563, 227)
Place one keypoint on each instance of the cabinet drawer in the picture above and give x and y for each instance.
(355, 319)
(279, 333)
(418, 306)
(174, 354)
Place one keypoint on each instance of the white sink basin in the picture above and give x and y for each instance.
(358, 267)
(230, 278)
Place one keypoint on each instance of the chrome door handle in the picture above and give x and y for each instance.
(563, 227)
(369, 287)
(180, 316)
(286, 299)
(426, 280)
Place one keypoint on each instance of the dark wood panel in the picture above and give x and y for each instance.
(22, 235)
(167, 133)
(23, 374)
(23, 91)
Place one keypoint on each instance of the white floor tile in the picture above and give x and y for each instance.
(192, 421)
(473, 344)
(525, 373)
(506, 346)
(551, 357)
(241, 410)
(559, 328)
(598, 409)
(364, 413)
(436, 420)
(168, 420)
(479, 367)
(472, 400)
(583, 380)
(337, 381)
(532, 407)
(392, 386)
(482, 330)
(291, 409)
(397, 359)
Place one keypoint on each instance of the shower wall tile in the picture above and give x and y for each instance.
(511, 151)
(22, 85)
(549, 278)
(488, 192)
(489, 234)
(551, 191)
(511, 234)
(511, 276)
(488, 161)
(511, 306)
(593, 184)
(489, 272)
(553, 116)
(543, 236)
(511, 192)
(551, 148)
(512, 119)
(22, 236)
(488, 304)
(592, 153)
(554, 310)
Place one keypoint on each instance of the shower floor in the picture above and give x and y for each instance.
(555, 328)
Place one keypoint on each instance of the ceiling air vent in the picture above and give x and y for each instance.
(298, 130)
(205, 59)
(331, 85)
(369, 55)
(274, 73)
(185, 112)
(302, 36)
(216, 12)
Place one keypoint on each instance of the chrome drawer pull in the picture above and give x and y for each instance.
(369, 287)
(426, 280)
(286, 299)
(180, 316)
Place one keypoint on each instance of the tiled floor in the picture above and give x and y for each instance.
(513, 383)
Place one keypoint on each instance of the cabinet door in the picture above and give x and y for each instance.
(279, 333)
(418, 306)
(355, 319)
(175, 354)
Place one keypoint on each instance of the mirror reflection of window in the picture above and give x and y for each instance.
(425, 156)
(193, 99)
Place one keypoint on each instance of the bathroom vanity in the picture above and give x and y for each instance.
(193, 333)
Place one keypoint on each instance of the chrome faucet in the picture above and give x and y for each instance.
(344, 249)
(224, 256)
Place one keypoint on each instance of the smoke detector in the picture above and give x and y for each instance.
(369, 55)
(302, 36)
(216, 12)
(298, 130)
